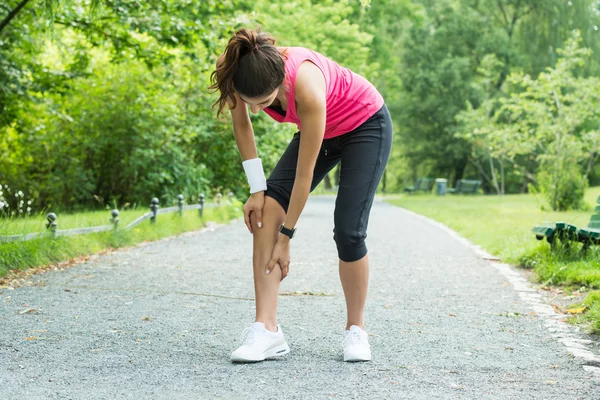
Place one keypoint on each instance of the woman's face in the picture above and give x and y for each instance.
(258, 103)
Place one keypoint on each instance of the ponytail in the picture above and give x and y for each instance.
(251, 66)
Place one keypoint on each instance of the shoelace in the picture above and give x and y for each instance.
(248, 335)
(355, 337)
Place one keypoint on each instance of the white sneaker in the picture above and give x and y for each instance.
(356, 345)
(260, 344)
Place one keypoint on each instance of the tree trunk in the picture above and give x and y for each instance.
(459, 169)
(502, 179)
(493, 172)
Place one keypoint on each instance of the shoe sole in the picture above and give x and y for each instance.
(271, 353)
(357, 358)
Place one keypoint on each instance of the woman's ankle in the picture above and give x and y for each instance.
(270, 325)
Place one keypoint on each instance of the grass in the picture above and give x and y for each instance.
(591, 317)
(37, 223)
(502, 225)
(22, 255)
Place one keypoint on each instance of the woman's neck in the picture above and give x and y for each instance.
(281, 99)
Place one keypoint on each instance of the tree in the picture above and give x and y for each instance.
(436, 72)
(554, 117)
(494, 140)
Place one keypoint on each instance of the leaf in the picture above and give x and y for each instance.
(146, 318)
(29, 310)
(30, 338)
(577, 310)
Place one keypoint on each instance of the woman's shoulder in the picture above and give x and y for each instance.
(295, 51)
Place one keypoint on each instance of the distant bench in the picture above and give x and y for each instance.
(465, 186)
(422, 184)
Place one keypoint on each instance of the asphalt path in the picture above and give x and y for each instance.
(159, 321)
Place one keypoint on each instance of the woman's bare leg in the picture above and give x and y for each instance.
(355, 281)
(266, 287)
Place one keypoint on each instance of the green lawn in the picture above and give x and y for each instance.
(502, 225)
(37, 223)
(22, 255)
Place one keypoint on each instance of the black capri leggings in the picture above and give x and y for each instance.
(363, 154)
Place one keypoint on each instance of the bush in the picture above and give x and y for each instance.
(564, 191)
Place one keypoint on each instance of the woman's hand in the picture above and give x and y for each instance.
(281, 256)
(255, 205)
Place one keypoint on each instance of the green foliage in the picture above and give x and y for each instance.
(477, 45)
(118, 136)
(336, 36)
(491, 143)
(564, 265)
(112, 95)
(564, 192)
(557, 114)
(437, 72)
(592, 315)
(94, 112)
(553, 117)
(387, 21)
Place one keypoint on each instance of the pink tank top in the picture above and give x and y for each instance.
(351, 99)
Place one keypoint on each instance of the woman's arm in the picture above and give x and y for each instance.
(242, 127)
(242, 130)
(310, 107)
(244, 138)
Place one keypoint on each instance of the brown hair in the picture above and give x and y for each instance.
(252, 66)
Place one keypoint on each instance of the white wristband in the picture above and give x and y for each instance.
(255, 174)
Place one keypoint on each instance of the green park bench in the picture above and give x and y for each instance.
(590, 235)
(465, 186)
(555, 230)
(422, 184)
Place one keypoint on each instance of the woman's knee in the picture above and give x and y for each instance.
(265, 237)
(350, 243)
(273, 211)
(272, 218)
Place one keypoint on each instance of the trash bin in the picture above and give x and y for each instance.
(440, 186)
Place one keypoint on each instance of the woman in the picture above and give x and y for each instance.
(341, 118)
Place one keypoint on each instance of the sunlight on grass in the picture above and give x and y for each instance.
(591, 317)
(19, 226)
(500, 224)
